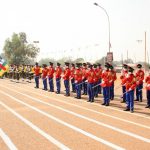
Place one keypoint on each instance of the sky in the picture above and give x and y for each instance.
(77, 28)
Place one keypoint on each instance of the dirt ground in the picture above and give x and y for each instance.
(33, 119)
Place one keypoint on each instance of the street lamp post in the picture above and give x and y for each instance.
(96, 4)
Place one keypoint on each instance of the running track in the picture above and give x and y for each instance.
(32, 119)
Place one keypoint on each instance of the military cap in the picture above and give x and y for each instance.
(44, 65)
(78, 64)
(51, 63)
(67, 63)
(107, 65)
(130, 69)
(58, 64)
(84, 64)
(111, 67)
(72, 64)
(95, 65)
(139, 66)
(98, 64)
(36, 63)
(125, 66)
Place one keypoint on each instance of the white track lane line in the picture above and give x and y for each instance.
(110, 107)
(91, 110)
(48, 137)
(80, 116)
(63, 123)
(7, 140)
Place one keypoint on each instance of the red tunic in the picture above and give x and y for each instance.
(51, 72)
(130, 82)
(106, 77)
(37, 70)
(44, 73)
(78, 76)
(91, 76)
(139, 77)
(67, 74)
(72, 71)
(58, 72)
(147, 80)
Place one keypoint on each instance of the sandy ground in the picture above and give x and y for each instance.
(34, 119)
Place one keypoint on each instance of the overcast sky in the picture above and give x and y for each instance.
(77, 28)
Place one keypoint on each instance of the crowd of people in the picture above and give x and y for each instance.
(87, 79)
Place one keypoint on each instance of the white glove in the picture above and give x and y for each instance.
(130, 89)
(148, 85)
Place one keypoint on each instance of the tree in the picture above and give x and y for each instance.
(17, 50)
(46, 61)
(101, 61)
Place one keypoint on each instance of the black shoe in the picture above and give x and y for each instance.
(57, 92)
(96, 96)
(148, 106)
(122, 101)
(67, 95)
(112, 98)
(127, 109)
(136, 100)
(88, 101)
(131, 111)
(103, 104)
(107, 104)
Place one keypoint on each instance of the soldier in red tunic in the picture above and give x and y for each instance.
(130, 83)
(139, 83)
(44, 76)
(147, 80)
(50, 77)
(58, 72)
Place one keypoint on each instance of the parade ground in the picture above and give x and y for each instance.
(33, 119)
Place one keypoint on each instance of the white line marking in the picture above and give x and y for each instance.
(68, 103)
(110, 107)
(7, 140)
(48, 137)
(80, 116)
(64, 123)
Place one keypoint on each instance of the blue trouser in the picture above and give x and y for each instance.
(84, 87)
(45, 83)
(124, 91)
(73, 85)
(111, 94)
(148, 97)
(130, 99)
(96, 89)
(66, 83)
(51, 84)
(99, 87)
(139, 92)
(106, 94)
(78, 89)
(90, 91)
(37, 81)
(58, 85)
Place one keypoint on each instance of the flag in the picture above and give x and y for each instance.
(3, 67)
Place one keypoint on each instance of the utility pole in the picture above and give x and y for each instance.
(145, 51)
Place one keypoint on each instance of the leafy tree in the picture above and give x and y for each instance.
(101, 61)
(46, 61)
(17, 50)
(79, 60)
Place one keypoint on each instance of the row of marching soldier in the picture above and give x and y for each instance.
(133, 83)
(91, 78)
